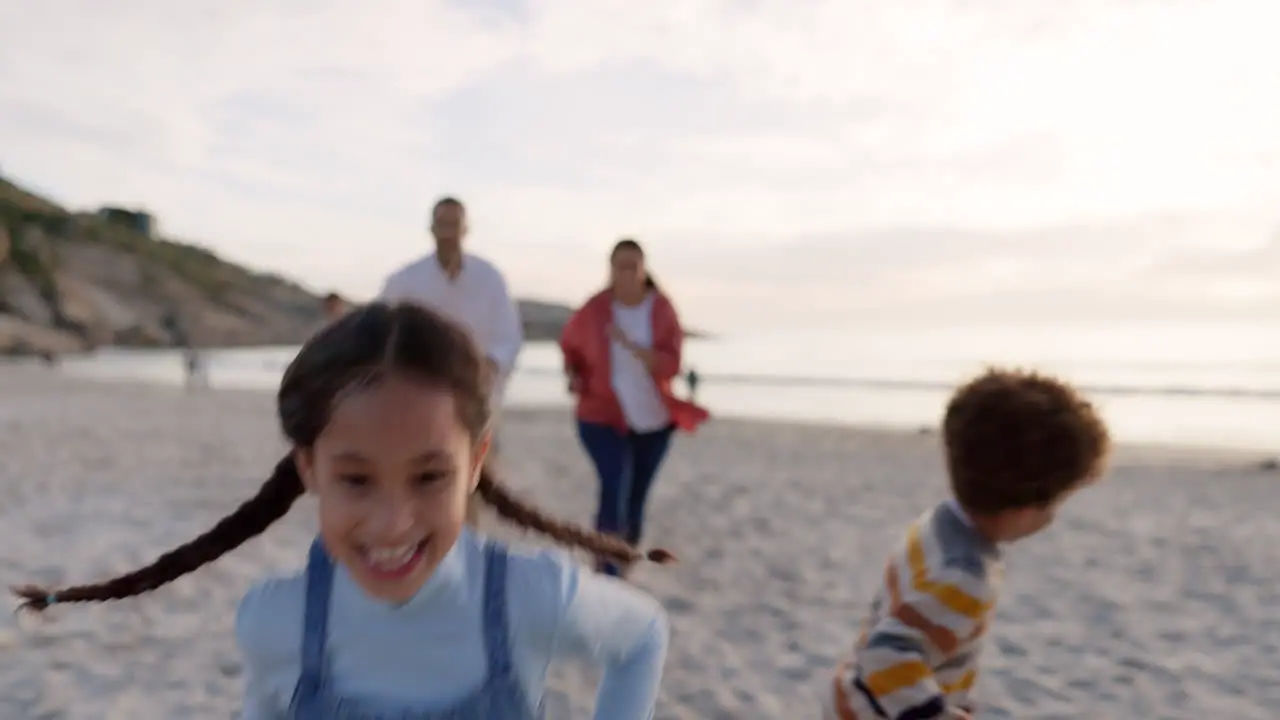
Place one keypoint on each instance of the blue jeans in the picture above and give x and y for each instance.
(626, 464)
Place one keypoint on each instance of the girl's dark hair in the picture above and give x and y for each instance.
(354, 352)
(629, 244)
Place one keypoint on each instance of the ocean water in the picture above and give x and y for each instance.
(1210, 385)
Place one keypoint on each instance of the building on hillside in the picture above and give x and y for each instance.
(139, 221)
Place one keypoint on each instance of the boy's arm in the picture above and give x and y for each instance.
(929, 616)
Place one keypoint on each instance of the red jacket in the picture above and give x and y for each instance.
(585, 343)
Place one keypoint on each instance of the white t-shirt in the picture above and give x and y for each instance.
(637, 394)
(477, 299)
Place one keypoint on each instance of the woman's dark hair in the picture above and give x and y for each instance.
(632, 245)
(355, 352)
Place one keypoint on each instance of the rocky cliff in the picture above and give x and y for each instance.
(70, 282)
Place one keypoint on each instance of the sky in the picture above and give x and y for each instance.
(812, 163)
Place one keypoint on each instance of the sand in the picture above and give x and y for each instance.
(1156, 595)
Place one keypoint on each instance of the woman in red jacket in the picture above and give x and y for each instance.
(621, 352)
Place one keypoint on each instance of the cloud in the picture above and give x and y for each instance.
(311, 136)
(1175, 264)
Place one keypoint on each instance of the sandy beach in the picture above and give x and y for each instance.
(1155, 596)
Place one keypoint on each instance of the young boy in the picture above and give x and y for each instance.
(1018, 445)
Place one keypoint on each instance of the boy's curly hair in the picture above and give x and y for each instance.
(1017, 439)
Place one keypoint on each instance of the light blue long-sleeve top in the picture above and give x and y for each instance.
(430, 650)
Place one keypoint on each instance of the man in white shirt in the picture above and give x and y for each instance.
(467, 289)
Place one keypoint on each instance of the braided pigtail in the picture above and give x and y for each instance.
(271, 503)
(520, 513)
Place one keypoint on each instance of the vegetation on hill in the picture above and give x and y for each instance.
(71, 281)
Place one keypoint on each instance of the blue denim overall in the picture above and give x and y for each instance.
(501, 697)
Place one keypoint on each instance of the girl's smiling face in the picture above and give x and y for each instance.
(392, 471)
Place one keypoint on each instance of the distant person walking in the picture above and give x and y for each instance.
(621, 352)
(468, 290)
(197, 374)
(334, 307)
(691, 378)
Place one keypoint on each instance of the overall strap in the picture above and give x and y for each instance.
(497, 639)
(315, 629)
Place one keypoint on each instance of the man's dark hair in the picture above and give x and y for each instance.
(447, 201)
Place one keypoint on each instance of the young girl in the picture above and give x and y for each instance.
(402, 612)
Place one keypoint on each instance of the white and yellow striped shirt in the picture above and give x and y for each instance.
(917, 657)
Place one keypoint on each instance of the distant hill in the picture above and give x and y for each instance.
(543, 320)
(72, 281)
